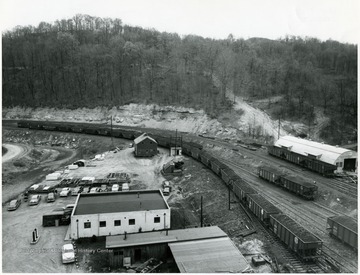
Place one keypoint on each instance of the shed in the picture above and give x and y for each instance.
(343, 158)
(209, 256)
(145, 146)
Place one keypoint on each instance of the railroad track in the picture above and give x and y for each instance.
(347, 188)
(292, 261)
(341, 263)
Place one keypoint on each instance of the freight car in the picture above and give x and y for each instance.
(296, 185)
(296, 238)
(205, 158)
(242, 190)
(344, 228)
(312, 164)
(228, 176)
(216, 166)
(262, 208)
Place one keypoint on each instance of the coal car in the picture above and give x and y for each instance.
(344, 228)
(295, 237)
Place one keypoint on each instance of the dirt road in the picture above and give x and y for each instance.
(14, 151)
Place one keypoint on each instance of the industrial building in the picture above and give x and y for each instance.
(112, 213)
(194, 250)
(343, 159)
(145, 146)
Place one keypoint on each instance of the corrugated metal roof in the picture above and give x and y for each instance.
(114, 202)
(346, 221)
(209, 256)
(324, 152)
(143, 137)
(147, 238)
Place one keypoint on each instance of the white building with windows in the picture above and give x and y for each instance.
(113, 213)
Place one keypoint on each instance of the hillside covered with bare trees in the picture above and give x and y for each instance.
(90, 61)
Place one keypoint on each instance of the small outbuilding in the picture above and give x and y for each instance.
(343, 159)
(145, 146)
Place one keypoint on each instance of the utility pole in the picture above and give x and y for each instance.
(111, 133)
(201, 212)
(279, 129)
(229, 197)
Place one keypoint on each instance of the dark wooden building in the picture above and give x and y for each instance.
(145, 146)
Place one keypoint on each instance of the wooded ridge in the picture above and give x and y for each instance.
(90, 61)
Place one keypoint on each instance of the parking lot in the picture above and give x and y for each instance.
(45, 256)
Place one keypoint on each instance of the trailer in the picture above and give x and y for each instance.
(344, 228)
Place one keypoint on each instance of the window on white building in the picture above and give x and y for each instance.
(157, 220)
(131, 221)
(102, 223)
(87, 224)
(117, 223)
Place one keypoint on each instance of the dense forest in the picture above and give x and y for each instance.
(90, 61)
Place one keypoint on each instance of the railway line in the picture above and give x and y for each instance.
(347, 188)
(227, 175)
(316, 221)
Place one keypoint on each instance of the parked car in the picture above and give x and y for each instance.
(65, 192)
(95, 190)
(125, 187)
(68, 253)
(86, 190)
(14, 204)
(166, 183)
(115, 188)
(75, 191)
(103, 188)
(166, 191)
(50, 197)
(34, 200)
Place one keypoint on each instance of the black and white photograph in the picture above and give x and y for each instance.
(179, 136)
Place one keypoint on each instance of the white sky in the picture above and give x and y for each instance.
(323, 19)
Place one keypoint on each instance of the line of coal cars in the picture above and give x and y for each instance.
(315, 165)
(297, 238)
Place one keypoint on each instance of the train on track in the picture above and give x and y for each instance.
(295, 237)
(296, 185)
(312, 164)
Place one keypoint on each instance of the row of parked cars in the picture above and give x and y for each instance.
(66, 191)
